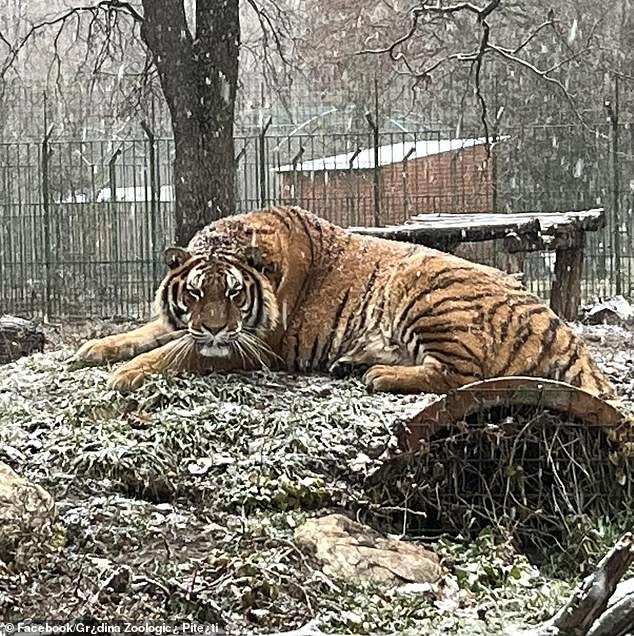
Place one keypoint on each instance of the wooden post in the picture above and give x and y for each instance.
(565, 294)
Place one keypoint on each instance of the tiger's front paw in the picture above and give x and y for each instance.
(99, 351)
(128, 377)
(383, 378)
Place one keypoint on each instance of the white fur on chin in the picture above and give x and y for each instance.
(214, 350)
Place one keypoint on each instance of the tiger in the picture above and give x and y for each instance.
(281, 288)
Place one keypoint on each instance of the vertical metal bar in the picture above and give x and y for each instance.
(154, 196)
(353, 219)
(46, 209)
(297, 159)
(613, 115)
(262, 158)
(405, 176)
(376, 172)
(115, 234)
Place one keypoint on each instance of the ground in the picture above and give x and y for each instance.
(179, 502)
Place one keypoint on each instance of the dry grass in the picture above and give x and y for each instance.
(180, 501)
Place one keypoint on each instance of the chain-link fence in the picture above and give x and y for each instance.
(83, 223)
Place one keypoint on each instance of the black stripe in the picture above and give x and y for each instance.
(417, 346)
(427, 312)
(301, 297)
(283, 215)
(493, 310)
(411, 251)
(576, 380)
(257, 301)
(599, 378)
(443, 327)
(434, 342)
(296, 353)
(169, 303)
(523, 303)
(436, 286)
(361, 316)
(320, 234)
(356, 319)
(523, 336)
(548, 337)
(572, 359)
(306, 229)
(313, 352)
(447, 358)
(428, 333)
(334, 328)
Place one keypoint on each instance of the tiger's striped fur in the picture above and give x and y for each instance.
(285, 288)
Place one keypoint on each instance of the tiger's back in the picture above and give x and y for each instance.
(430, 321)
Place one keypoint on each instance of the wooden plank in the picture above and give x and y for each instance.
(444, 233)
(592, 219)
(522, 232)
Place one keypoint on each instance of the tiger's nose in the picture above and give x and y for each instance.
(212, 330)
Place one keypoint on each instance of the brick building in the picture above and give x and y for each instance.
(418, 177)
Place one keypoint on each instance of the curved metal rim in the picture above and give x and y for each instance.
(520, 390)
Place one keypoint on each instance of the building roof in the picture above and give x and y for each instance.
(389, 154)
(135, 194)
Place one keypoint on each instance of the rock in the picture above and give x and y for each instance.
(613, 311)
(27, 511)
(19, 337)
(349, 550)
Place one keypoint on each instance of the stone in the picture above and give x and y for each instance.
(27, 511)
(351, 551)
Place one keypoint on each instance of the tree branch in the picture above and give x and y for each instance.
(426, 11)
(102, 6)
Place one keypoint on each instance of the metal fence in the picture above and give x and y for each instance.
(83, 223)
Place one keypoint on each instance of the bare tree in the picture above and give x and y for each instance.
(198, 73)
(553, 60)
(196, 62)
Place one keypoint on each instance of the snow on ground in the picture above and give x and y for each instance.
(179, 501)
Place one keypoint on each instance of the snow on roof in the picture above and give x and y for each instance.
(389, 154)
(135, 194)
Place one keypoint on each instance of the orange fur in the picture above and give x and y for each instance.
(421, 320)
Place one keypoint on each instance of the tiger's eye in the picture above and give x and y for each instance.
(192, 294)
(237, 296)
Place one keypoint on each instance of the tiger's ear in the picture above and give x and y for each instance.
(175, 256)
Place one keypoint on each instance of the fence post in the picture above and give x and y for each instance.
(296, 159)
(48, 130)
(115, 234)
(494, 159)
(405, 176)
(154, 197)
(377, 174)
(613, 116)
(112, 176)
(354, 205)
(241, 202)
(262, 158)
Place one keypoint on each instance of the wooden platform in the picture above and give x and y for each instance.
(563, 232)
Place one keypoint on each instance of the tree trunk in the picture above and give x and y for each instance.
(198, 75)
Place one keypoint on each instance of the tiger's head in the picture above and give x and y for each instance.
(227, 303)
